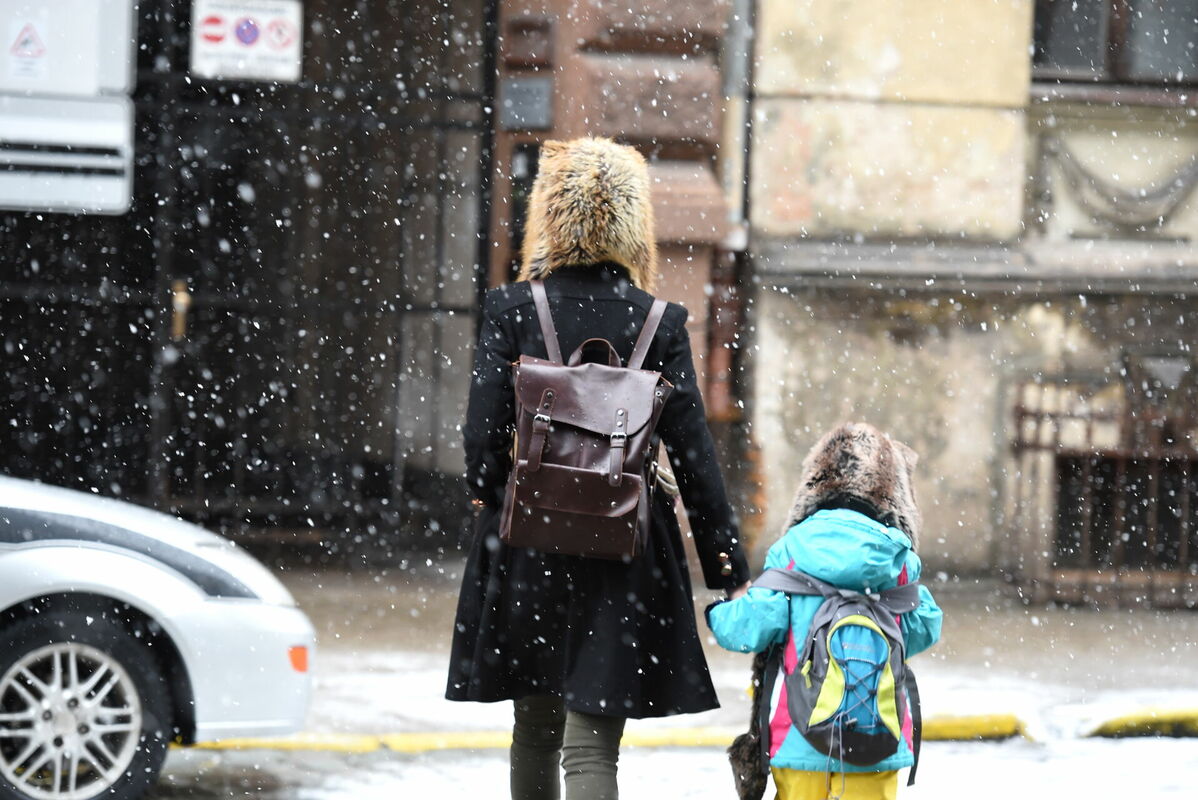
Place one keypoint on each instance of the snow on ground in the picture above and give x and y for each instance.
(1163, 769)
(383, 649)
(384, 642)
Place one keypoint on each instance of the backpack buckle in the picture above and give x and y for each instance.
(618, 438)
(544, 419)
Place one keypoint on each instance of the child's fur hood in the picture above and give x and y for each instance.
(590, 203)
(858, 462)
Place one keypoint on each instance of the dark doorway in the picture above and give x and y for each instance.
(278, 335)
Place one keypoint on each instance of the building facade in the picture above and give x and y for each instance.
(969, 223)
(973, 224)
(277, 335)
(276, 338)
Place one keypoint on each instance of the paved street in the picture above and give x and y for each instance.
(383, 639)
(1094, 769)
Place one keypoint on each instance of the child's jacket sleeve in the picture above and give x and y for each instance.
(921, 627)
(753, 622)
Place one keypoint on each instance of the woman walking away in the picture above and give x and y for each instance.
(581, 644)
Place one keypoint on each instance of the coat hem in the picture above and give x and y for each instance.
(584, 708)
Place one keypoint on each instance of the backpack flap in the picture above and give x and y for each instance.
(586, 394)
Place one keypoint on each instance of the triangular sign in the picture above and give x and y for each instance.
(28, 43)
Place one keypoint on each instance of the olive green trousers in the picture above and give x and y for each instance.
(548, 740)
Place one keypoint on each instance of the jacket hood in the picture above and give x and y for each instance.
(590, 203)
(819, 544)
(854, 464)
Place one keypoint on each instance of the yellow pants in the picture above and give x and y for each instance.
(797, 784)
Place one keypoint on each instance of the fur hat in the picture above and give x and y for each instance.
(857, 462)
(590, 203)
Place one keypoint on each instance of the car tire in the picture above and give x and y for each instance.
(92, 643)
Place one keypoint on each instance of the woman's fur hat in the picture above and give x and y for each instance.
(590, 203)
(858, 462)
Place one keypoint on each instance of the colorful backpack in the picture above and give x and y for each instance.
(846, 696)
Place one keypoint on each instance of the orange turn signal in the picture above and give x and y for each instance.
(299, 658)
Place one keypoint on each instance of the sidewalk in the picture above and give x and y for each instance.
(383, 640)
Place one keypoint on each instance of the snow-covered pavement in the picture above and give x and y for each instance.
(1094, 769)
(384, 640)
(380, 669)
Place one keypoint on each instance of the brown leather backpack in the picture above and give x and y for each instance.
(582, 479)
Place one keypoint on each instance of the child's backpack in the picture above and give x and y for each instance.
(846, 695)
(583, 472)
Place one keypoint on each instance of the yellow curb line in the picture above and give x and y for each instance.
(323, 742)
(1151, 722)
(984, 727)
(454, 740)
(971, 728)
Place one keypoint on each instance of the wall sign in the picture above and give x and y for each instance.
(257, 40)
(67, 48)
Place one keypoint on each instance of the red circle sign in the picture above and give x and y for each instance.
(280, 33)
(213, 29)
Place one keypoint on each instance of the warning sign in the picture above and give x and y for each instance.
(27, 55)
(66, 48)
(212, 29)
(281, 34)
(247, 39)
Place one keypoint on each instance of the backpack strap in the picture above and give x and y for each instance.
(793, 582)
(898, 600)
(648, 331)
(773, 665)
(916, 722)
(546, 319)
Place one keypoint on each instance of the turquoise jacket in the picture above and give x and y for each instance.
(849, 550)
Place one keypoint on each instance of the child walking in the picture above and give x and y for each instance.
(854, 526)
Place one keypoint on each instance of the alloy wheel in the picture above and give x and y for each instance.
(70, 722)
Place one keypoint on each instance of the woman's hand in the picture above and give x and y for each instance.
(740, 591)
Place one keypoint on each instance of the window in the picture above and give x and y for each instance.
(1104, 488)
(1146, 42)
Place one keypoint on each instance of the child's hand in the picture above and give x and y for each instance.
(740, 591)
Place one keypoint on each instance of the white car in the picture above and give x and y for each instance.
(122, 630)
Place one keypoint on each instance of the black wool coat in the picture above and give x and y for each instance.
(609, 637)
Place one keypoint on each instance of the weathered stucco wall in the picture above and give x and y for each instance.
(936, 51)
(825, 168)
(1133, 149)
(886, 130)
(890, 118)
(937, 371)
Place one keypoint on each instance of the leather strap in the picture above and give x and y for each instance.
(547, 330)
(619, 442)
(540, 430)
(647, 333)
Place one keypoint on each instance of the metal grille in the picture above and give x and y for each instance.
(1105, 495)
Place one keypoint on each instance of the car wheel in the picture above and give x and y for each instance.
(84, 709)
